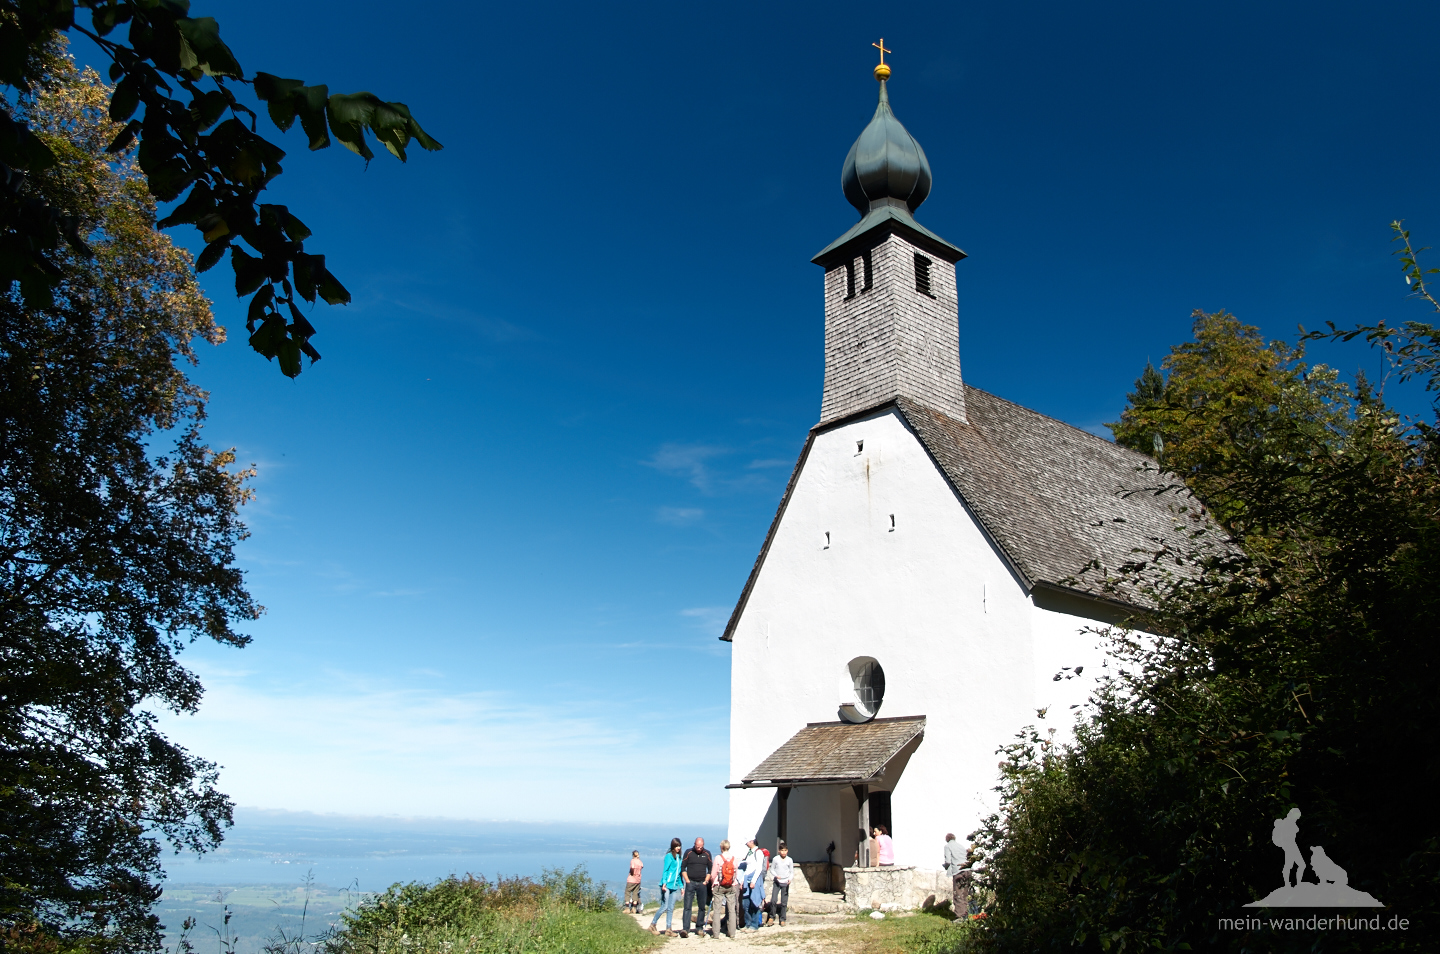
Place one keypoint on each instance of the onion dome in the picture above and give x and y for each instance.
(886, 162)
(886, 177)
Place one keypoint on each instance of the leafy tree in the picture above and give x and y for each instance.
(1149, 388)
(174, 71)
(1231, 393)
(1290, 665)
(1414, 346)
(117, 534)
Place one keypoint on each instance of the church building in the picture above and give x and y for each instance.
(914, 603)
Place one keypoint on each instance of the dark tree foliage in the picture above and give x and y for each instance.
(1295, 664)
(117, 531)
(198, 144)
(1149, 389)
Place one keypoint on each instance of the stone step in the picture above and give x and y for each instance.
(817, 902)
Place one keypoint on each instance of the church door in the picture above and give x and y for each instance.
(880, 811)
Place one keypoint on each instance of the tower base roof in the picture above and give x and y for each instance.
(889, 218)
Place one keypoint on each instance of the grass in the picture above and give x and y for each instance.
(563, 912)
(920, 933)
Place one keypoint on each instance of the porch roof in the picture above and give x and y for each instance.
(835, 753)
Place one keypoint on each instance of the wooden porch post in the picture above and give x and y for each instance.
(784, 819)
(862, 795)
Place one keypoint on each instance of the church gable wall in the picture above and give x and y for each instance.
(930, 599)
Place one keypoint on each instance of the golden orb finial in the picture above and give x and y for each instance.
(882, 72)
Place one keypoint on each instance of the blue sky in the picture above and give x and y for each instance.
(499, 527)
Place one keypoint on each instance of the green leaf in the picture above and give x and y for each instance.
(269, 337)
(198, 204)
(413, 128)
(249, 271)
(293, 226)
(124, 137)
(208, 109)
(279, 96)
(168, 179)
(213, 227)
(259, 302)
(210, 255)
(202, 39)
(310, 102)
(329, 286)
(126, 99)
(349, 114)
(299, 325)
(304, 276)
(289, 352)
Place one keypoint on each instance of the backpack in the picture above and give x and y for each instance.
(727, 872)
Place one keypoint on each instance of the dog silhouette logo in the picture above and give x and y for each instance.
(1331, 889)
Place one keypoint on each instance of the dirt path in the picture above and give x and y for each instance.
(802, 934)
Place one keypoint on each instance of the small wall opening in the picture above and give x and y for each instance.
(922, 275)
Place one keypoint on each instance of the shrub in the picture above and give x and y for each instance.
(563, 911)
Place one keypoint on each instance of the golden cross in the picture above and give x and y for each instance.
(881, 47)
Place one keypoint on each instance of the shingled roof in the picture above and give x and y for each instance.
(835, 753)
(1053, 498)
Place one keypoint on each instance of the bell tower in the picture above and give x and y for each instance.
(891, 307)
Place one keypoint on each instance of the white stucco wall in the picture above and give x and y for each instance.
(960, 641)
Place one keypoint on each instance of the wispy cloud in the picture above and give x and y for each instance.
(690, 461)
(679, 516)
(496, 329)
(768, 462)
(372, 746)
(710, 619)
(700, 465)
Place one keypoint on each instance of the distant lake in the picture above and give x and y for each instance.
(266, 858)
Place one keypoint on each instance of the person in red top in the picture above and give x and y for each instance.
(632, 883)
(725, 892)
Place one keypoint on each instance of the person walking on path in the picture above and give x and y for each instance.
(724, 892)
(962, 875)
(954, 861)
(632, 883)
(752, 887)
(670, 883)
(783, 870)
(695, 874)
(884, 847)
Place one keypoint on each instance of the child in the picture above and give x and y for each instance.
(783, 868)
(632, 883)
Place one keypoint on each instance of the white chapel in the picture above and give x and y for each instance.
(914, 603)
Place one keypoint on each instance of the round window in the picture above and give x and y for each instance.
(863, 682)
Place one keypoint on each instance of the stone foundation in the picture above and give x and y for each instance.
(895, 888)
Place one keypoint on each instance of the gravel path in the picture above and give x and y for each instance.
(802, 933)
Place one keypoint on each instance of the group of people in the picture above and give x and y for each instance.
(729, 886)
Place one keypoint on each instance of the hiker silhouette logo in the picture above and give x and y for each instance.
(1330, 890)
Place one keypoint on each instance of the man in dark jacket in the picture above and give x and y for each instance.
(695, 872)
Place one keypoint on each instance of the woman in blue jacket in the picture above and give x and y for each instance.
(670, 887)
